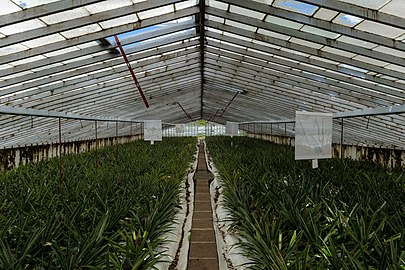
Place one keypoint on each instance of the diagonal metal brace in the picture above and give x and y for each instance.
(131, 71)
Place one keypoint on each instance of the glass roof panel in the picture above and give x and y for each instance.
(185, 4)
(5, 66)
(395, 7)
(295, 52)
(32, 3)
(217, 4)
(65, 16)
(295, 6)
(21, 27)
(7, 7)
(387, 50)
(87, 45)
(241, 25)
(63, 51)
(155, 12)
(325, 14)
(268, 2)
(266, 44)
(237, 36)
(306, 43)
(81, 31)
(134, 36)
(215, 18)
(43, 41)
(15, 75)
(28, 60)
(247, 12)
(47, 67)
(379, 29)
(132, 18)
(283, 22)
(107, 5)
(373, 4)
(357, 42)
(273, 34)
(320, 32)
(353, 68)
(324, 60)
(338, 52)
(12, 49)
(370, 61)
(347, 20)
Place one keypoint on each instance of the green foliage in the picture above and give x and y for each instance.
(291, 219)
(112, 217)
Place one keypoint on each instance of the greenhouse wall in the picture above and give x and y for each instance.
(386, 157)
(13, 157)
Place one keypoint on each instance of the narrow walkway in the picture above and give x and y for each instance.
(203, 248)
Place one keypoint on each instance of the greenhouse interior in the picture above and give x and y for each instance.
(202, 134)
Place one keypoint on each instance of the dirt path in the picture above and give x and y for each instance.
(203, 249)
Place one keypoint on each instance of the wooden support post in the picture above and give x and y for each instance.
(60, 157)
(140, 145)
(271, 132)
(130, 138)
(116, 139)
(341, 152)
(96, 133)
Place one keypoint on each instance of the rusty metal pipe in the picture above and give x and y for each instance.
(131, 71)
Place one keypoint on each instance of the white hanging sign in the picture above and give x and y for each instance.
(232, 128)
(313, 135)
(152, 130)
(179, 128)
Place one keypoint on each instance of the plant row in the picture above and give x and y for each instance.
(108, 217)
(291, 216)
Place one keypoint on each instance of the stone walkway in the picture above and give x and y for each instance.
(203, 249)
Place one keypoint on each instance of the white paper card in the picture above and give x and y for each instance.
(232, 128)
(152, 130)
(313, 135)
(314, 163)
(179, 128)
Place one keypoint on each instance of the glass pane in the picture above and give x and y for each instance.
(155, 12)
(373, 4)
(347, 20)
(379, 29)
(320, 32)
(296, 6)
(325, 14)
(283, 22)
(8, 7)
(32, 3)
(43, 41)
(273, 34)
(107, 5)
(21, 27)
(65, 16)
(395, 7)
(217, 4)
(12, 49)
(119, 21)
(81, 31)
(247, 12)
